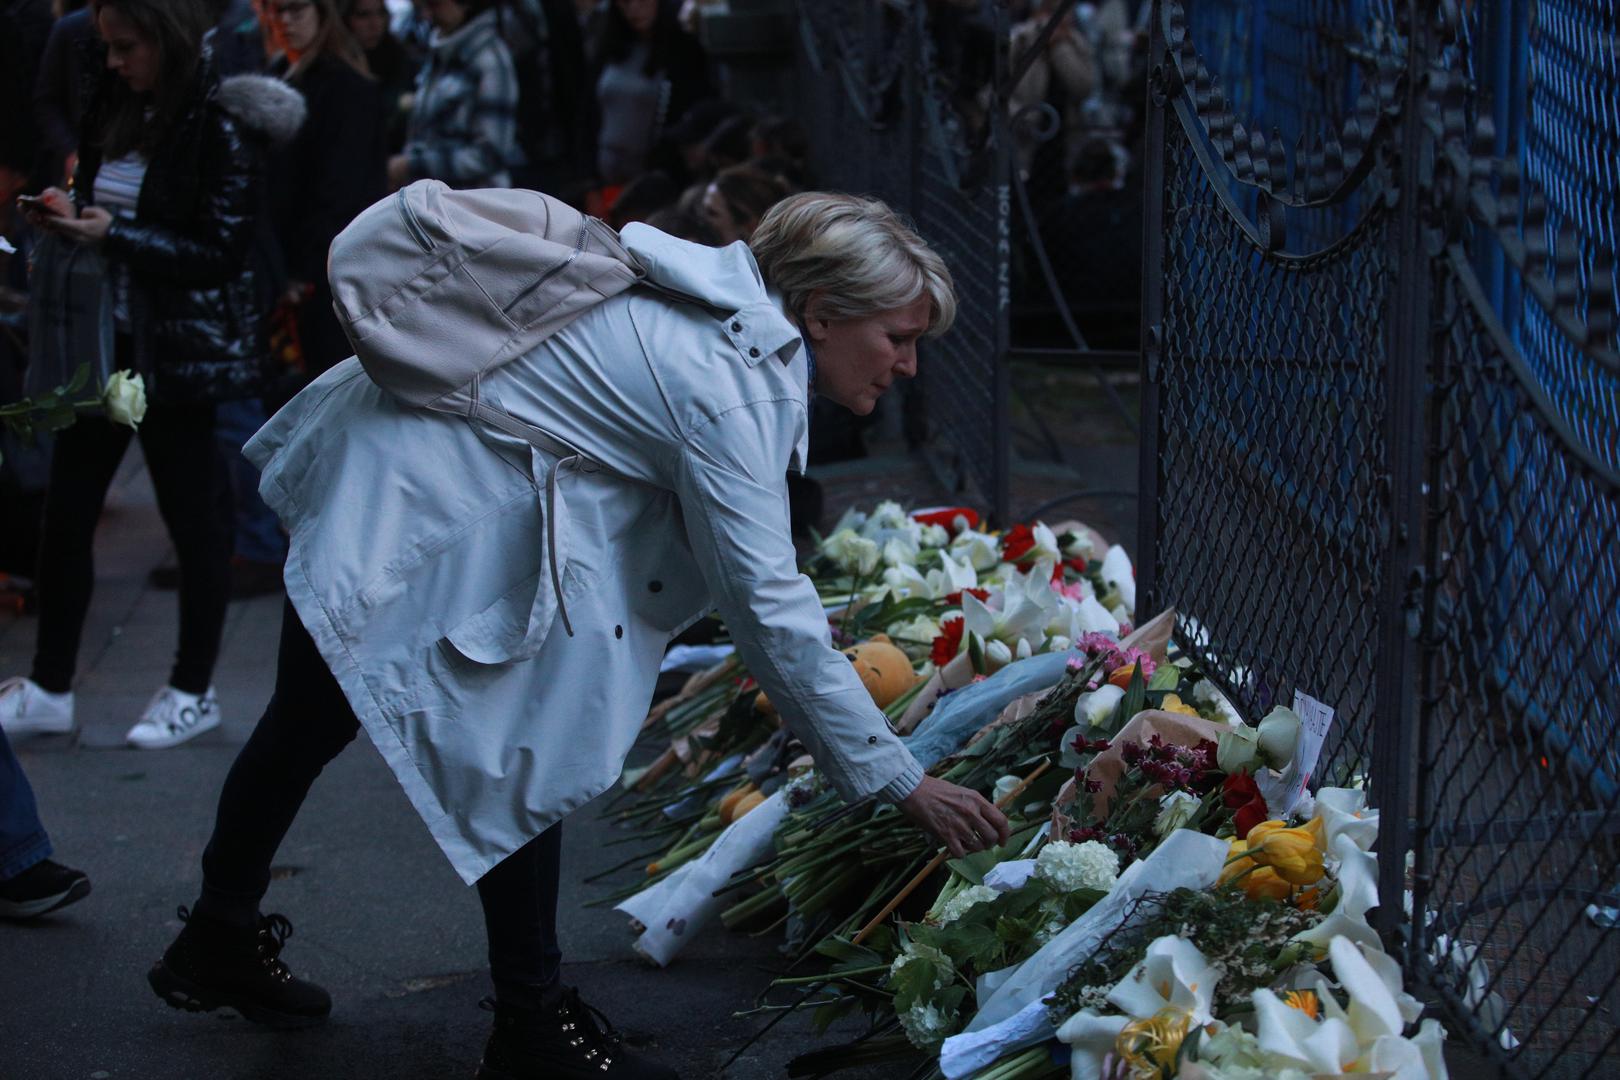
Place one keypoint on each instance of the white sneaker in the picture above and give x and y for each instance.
(26, 708)
(172, 717)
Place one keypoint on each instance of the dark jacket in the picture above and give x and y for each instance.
(332, 169)
(199, 296)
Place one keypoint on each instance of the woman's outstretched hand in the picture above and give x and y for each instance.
(960, 818)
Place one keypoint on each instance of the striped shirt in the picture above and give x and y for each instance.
(118, 191)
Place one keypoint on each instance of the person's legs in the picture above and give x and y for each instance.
(228, 954)
(23, 841)
(520, 916)
(306, 724)
(188, 474)
(83, 462)
(30, 883)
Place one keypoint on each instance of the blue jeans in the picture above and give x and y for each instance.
(258, 532)
(22, 838)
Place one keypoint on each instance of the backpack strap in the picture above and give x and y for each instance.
(477, 409)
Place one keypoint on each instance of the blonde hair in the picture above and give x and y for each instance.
(857, 253)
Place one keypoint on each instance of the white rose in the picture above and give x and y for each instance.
(935, 536)
(1095, 708)
(125, 399)
(1004, 787)
(1175, 810)
(1279, 737)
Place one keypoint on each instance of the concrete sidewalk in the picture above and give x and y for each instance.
(381, 920)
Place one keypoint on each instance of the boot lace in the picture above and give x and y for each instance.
(272, 935)
(585, 1027)
(274, 930)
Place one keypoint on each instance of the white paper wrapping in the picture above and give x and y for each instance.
(675, 909)
(1185, 859)
(1010, 876)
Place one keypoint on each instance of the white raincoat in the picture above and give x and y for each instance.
(420, 540)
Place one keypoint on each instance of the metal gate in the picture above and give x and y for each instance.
(1378, 459)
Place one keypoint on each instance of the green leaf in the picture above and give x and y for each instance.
(61, 414)
(832, 1012)
(1167, 677)
(1133, 701)
(973, 867)
(80, 379)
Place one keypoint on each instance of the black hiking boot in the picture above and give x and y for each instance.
(213, 964)
(564, 1040)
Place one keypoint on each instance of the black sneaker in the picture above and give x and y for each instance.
(213, 964)
(43, 887)
(565, 1040)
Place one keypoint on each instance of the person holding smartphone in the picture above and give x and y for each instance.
(168, 188)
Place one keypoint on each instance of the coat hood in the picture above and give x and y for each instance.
(266, 105)
(727, 279)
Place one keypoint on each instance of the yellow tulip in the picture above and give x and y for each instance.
(1291, 852)
(1173, 703)
(1264, 884)
(1235, 866)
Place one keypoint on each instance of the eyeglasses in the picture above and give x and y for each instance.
(289, 9)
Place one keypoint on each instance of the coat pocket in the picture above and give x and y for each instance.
(513, 628)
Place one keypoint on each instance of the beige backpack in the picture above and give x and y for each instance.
(435, 287)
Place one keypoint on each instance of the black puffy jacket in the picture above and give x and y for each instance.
(201, 289)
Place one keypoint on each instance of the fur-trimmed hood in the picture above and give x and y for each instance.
(267, 105)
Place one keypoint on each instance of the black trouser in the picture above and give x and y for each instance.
(306, 724)
(188, 474)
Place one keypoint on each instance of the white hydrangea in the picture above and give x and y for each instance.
(1067, 867)
(926, 1025)
(915, 953)
(1175, 809)
(958, 905)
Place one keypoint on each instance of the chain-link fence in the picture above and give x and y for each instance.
(1378, 458)
(899, 100)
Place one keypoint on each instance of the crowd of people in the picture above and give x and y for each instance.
(178, 216)
(217, 147)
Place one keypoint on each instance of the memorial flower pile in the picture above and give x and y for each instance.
(1170, 903)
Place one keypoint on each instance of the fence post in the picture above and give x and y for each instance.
(1152, 335)
(1394, 694)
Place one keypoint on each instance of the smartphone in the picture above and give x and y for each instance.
(41, 204)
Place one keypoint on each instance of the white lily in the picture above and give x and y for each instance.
(1092, 617)
(1078, 547)
(1356, 1039)
(1357, 875)
(1046, 546)
(1091, 1038)
(1173, 975)
(952, 576)
(1344, 811)
(906, 581)
(980, 550)
(1020, 618)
